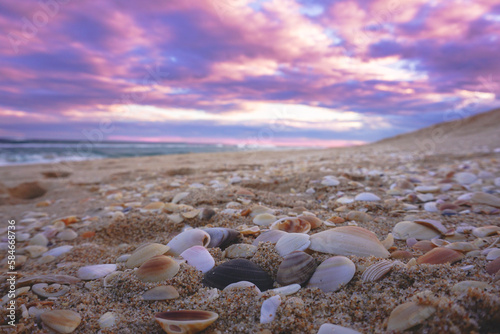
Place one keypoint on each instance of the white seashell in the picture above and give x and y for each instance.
(377, 271)
(179, 197)
(264, 219)
(335, 329)
(268, 309)
(240, 251)
(431, 207)
(58, 251)
(67, 234)
(123, 258)
(368, 197)
(407, 229)
(310, 191)
(242, 285)
(144, 253)
(107, 320)
(388, 242)
(408, 315)
(95, 271)
(332, 273)
(188, 239)
(287, 289)
(466, 268)
(344, 200)
(485, 231)
(271, 236)
(260, 209)
(465, 178)
(199, 257)
(18, 292)
(330, 181)
(292, 242)
(163, 292)
(493, 254)
(39, 240)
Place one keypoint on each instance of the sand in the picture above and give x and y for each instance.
(107, 198)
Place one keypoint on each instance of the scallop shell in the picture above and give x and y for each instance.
(144, 253)
(237, 270)
(332, 274)
(221, 237)
(240, 251)
(407, 315)
(271, 236)
(440, 255)
(163, 292)
(335, 329)
(199, 257)
(185, 321)
(297, 267)
(407, 229)
(46, 291)
(484, 231)
(158, 268)
(348, 240)
(463, 286)
(264, 219)
(292, 242)
(95, 271)
(291, 225)
(377, 271)
(61, 321)
(268, 309)
(188, 239)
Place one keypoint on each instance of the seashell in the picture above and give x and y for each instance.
(440, 255)
(456, 237)
(407, 315)
(486, 199)
(163, 292)
(406, 229)
(465, 178)
(367, 197)
(493, 267)
(344, 200)
(240, 251)
(61, 279)
(153, 207)
(58, 251)
(377, 271)
(221, 237)
(191, 214)
(123, 258)
(462, 287)
(199, 257)
(335, 329)
(245, 230)
(53, 290)
(39, 240)
(291, 225)
(95, 271)
(287, 290)
(292, 242)
(434, 224)
(188, 239)
(335, 220)
(67, 234)
(264, 219)
(107, 280)
(348, 240)
(237, 270)
(297, 267)
(185, 321)
(271, 236)
(175, 218)
(493, 254)
(388, 242)
(314, 221)
(484, 231)
(425, 197)
(427, 189)
(18, 292)
(268, 309)
(330, 181)
(411, 263)
(27, 190)
(159, 268)
(463, 247)
(474, 253)
(440, 242)
(179, 197)
(259, 209)
(107, 320)
(401, 254)
(411, 242)
(206, 214)
(424, 245)
(359, 216)
(431, 207)
(242, 285)
(144, 253)
(332, 273)
(61, 321)
(35, 251)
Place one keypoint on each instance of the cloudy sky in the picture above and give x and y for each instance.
(287, 72)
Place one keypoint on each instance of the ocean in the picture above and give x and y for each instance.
(46, 151)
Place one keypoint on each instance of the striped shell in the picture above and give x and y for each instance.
(377, 271)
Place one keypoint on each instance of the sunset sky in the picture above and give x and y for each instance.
(283, 72)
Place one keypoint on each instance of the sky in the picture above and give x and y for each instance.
(252, 72)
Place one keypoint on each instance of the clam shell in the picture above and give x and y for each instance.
(153, 207)
(144, 253)
(493, 254)
(237, 270)
(39, 240)
(440, 255)
(493, 267)
(332, 274)
(264, 219)
(348, 240)
(486, 199)
(158, 268)
(377, 271)
(191, 214)
(291, 225)
(335, 329)
(292, 242)
(484, 231)
(407, 315)
(367, 197)
(240, 251)
(434, 224)
(61, 321)
(463, 247)
(407, 229)
(185, 321)
(424, 245)
(67, 234)
(268, 309)
(271, 236)
(199, 257)
(221, 237)
(463, 286)
(163, 292)
(58, 251)
(314, 221)
(297, 267)
(188, 239)
(46, 291)
(95, 271)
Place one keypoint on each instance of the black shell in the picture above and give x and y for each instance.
(297, 267)
(221, 237)
(237, 270)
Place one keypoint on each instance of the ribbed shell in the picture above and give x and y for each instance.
(297, 267)
(377, 271)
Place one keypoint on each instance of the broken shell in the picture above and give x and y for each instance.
(440, 255)
(268, 309)
(484, 231)
(199, 257)
(493, 267)
(144, 253)
(264, 219)
(242, 285)
(291, 225)
(292, 242)
(407, 229)
(388, 242)
(348, 240)
(188, 239)
(107, 280)
(67, 234)
(206, 214)
(271, 236)
(179, 197)
(297, 267)
(95, 271)
(408, 315)
(287, 290)
(463, 286)
(185, 321)
(332, 273)
(335, 329)
(221, 237)
(314, 221)
(161, 293)
(237, 270)
(46, 291)
(107, 320)
(158, 268)
(240, 251)
(434, 224)
(377, 271)
(61, 321)
(191, 214)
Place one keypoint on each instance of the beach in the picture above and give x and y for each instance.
(105, 209)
